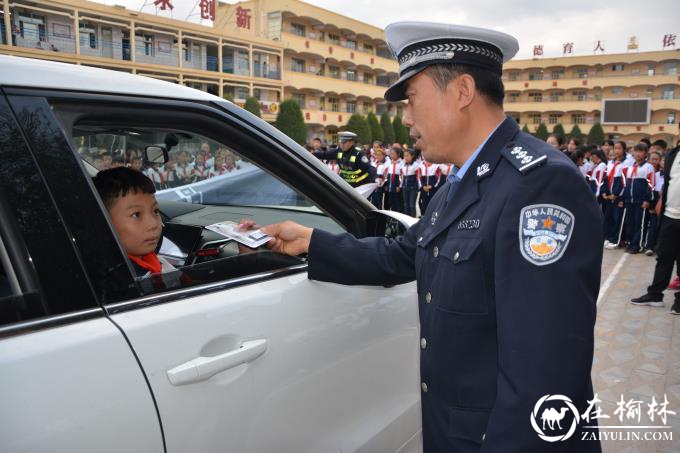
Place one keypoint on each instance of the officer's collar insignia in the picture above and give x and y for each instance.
(483, 169)
(544, 233)
(468, 224)
(433, 219)
(522, 158)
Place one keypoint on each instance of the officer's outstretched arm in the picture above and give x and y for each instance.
(547, 274)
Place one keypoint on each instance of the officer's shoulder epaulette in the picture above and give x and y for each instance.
(523, 157)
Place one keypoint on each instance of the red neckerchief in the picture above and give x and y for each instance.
(612, 172)
(148, 262)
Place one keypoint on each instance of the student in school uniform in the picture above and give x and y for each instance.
(598, 175)
(430, 177)
(156, 176)
(444, 171)
(410, 182)
(200, 170)
(380, 164)
(614, 207)
(169, 175)
(333, 166)
(392, 184)
(184, 168)
(638, 198)
(655, 160)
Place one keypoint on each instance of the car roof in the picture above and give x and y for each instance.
(30, 72)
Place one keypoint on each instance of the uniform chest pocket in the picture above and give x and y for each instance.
(460, 281)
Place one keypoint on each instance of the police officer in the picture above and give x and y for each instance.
(355, 167)
(507, 257)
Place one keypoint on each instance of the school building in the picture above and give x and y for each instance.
(332, 65)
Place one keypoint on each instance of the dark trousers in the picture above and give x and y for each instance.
(409, 194)
(636, 220)
(377, 198)
(394, 201)
(424, 199)
(652, 231)
(613, 214)
(667, 253)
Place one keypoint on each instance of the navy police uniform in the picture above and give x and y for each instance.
(355, 167)
(507, 264)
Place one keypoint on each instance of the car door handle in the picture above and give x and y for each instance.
(203, 368)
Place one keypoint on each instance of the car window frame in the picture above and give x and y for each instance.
(357, 218)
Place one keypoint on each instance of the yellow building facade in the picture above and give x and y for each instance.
(330, 64)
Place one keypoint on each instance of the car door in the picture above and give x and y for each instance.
(69, 380)
(262, 360)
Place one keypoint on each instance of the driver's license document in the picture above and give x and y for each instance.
(249, 238)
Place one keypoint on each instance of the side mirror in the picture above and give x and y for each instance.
(155, 154)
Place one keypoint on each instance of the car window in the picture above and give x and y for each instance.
(203, 183)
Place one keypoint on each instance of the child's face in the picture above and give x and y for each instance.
(394, 155)
(137, 221)
(654, 160)
(639, 156)
(200, 160)
(170, 165)
(595, 158)
(408, 158)
(136, 164)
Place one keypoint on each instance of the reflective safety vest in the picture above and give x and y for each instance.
(354, 167)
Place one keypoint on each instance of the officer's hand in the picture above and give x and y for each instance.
(645, 205)
(398, 189)
(288, 237)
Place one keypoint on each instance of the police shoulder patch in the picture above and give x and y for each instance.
(523, 158)
(364, 159)
(544, 232)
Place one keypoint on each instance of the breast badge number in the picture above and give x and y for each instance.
(544, 233)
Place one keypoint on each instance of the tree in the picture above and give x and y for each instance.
(526, 129)
(290, 121)
(576, 133)
(388, 129)
(558, 130)
(358, 124)
(376, 131)
(596, 135)
(253, 106)
(541, 132)
(400, 131)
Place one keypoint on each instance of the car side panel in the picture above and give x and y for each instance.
(76, 388)
(340, 371)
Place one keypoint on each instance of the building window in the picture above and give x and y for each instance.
(148, 45)
(368, 107)
(368, 78)
(334, 71)
(513, 97)
(187, 52)
(617, 67)
(555, 96)
(513, 75)
(335, 104)
(582, 73)
(649, 92)
(298, 29)
(557, 74)
(554, 118)
(368, 48)
(299, 99)
(580, 96)
(335, 39)
(351, 106)
(668, 93)
(352, 75)
(536, 75)
(535, 118)
(670, 68)
(617, 90)
(297, 65)
(670, 119)
(578, 118)
(351, 44)
(536, 97)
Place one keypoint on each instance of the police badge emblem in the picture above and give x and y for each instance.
(544, 232)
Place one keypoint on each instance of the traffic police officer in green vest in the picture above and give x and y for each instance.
(355, 168)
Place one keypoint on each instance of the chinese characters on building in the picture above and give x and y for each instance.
(243, 18)
(207, 9)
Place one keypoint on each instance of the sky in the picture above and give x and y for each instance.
(548, 22)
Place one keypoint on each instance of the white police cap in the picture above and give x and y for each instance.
(347, 135)
(417, 45)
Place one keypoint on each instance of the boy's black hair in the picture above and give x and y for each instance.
(642, 146)
(646, 142)
(661, 144)
(609, 142)
(118, 182)
(600, 154)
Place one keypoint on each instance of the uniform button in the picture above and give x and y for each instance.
(424, 387)
(420, 239)
(435, 251)
(428, 297)
(423, 343)
(484, 436)
(456, 256)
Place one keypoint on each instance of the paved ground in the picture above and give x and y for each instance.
(637, 352)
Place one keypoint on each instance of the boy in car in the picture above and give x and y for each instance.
(129, 197)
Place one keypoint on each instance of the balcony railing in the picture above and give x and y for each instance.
(526, 78)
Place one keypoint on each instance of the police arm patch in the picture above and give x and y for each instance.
(544, 232)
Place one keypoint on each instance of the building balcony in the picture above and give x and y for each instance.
(325, 49)
(325, 118)
(308, 81)
(591, 82)
(555, 106)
